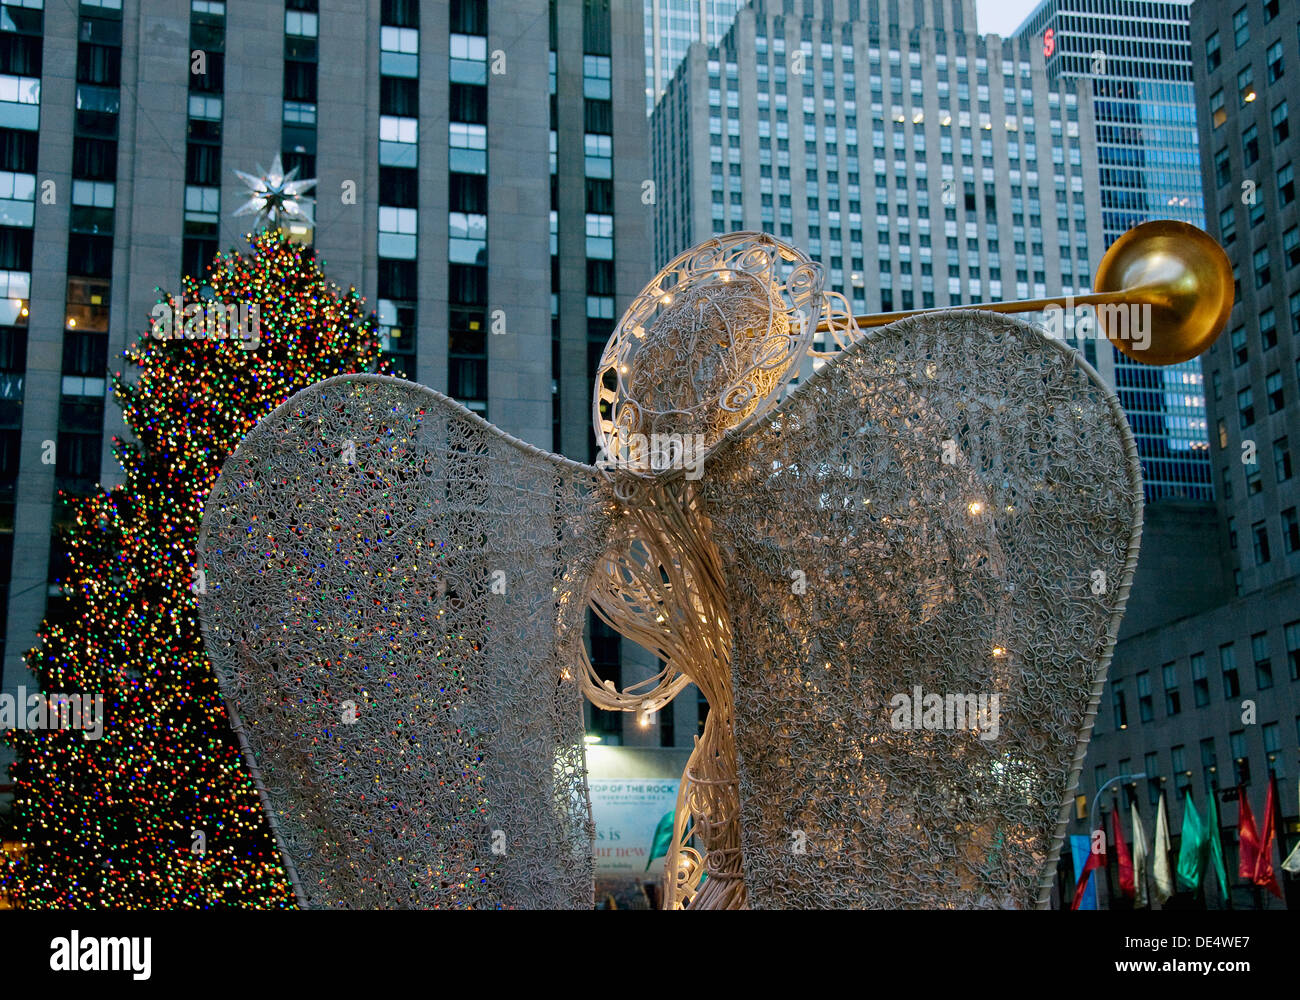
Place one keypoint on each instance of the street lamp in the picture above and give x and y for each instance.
(1092, 810)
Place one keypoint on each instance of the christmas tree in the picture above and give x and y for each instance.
(159, 811)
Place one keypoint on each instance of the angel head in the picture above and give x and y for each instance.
(707, 345)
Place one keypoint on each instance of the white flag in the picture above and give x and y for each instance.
(1292, 862)
(1162, 877)
(1139, 860)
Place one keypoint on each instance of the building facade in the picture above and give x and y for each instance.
(1135, 59)
(425, 124)
(1204, 696)
(914, 158)
(671, 28)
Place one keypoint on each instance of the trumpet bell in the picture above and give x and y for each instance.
(1185, 278)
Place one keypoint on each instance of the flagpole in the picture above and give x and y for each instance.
(1092, 815)
(1110, 885)
(1280, 873)
(1218, 833)
(1155, 844)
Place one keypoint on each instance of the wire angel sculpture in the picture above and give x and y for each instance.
(896, 579)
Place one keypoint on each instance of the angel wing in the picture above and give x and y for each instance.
(394, 603)
(927, 549)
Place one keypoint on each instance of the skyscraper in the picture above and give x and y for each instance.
(1135, 59)
(671, 27)
(910, 156)
(1204, 690)
(121, 125)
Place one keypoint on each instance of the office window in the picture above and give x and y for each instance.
(1290, 531)
(1178, 762)
(1246, 408)
(1213, 53)
(202, 204)
(1268, 329)
(1218, 113)
(1263, 271)
(396, 131)
(1286, 185)
(1240, 27)
(1272, 748)
(1240, 762)
(205, 107)
(1173, 699)
(1274, 391)
(600, 236)
(1228, 668)
(399, 50)
(1259, 535)
(1151, 765)
(1227, 226)
(1263, 661)
(1146, 711)
(397, 235)
(1119, 705)
(1291, 632)
(1209, 763)
(87, 307)
(1281, 125)
(303, 23)
(1223, 168)
(1273, 59)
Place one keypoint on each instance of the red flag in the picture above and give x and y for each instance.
(1247, 837)
(1124, 859)
(1096, 859)
(1264, 873)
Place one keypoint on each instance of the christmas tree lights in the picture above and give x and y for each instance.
(160, 811)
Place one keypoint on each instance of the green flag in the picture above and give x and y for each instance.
(663, 839)
(1216, 844)
(1194, 851)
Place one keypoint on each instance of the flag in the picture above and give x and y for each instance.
(1194, 851)
(1264, 873)
(1122, 857)
(1247, 838)
(1139, 860)
(1292, 863)
(1084, 862)
(1216, 844)
(1162, 878)
(663, 839)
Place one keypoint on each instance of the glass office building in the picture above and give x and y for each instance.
(671, 26)
(1136, 57)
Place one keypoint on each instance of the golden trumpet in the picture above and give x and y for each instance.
(1175, 268)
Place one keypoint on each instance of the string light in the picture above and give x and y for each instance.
(111, 822)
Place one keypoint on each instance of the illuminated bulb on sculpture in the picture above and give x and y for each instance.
(976, 508)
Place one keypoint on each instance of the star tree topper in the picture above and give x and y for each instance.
(276, 197)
